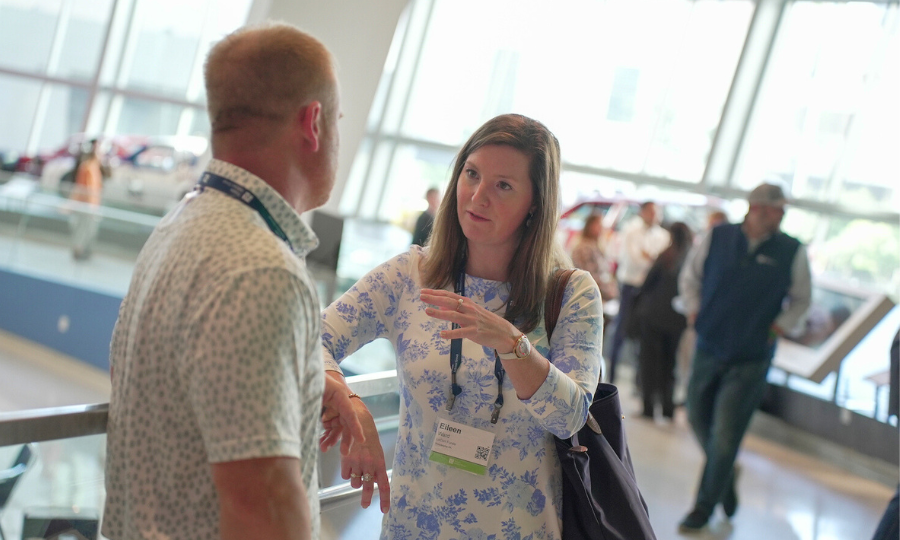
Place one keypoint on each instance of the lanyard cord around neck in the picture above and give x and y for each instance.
(244, 195)
(456, 361)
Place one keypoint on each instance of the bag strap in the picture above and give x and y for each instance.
(553, 304)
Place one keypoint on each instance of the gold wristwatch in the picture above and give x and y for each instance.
(521, 349)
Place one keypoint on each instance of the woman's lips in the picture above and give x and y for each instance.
(476, 217)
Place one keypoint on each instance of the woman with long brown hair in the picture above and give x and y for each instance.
(482, 392)
(659, 326)
(588, 254)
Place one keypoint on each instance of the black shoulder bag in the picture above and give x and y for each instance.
(601, 499)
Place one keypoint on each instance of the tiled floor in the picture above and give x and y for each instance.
(784, 495)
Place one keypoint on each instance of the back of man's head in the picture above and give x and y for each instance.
(263, 74)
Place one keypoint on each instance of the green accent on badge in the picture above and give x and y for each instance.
(457, 463)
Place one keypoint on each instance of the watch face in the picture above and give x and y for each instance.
(523, 347)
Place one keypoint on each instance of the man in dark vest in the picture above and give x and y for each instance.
(743, 286)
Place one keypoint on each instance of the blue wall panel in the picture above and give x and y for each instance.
(32, 308)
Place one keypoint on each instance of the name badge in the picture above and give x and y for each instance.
(462, 447)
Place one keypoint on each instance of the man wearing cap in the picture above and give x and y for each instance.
(743, 286)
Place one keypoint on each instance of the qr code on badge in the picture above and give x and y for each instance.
(481, 453)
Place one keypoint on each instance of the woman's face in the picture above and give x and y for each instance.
(494, 196)
(595, 228)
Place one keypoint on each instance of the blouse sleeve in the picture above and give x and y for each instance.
(562, 402)
(366, 312)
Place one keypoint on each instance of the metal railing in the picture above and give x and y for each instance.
(57, 423)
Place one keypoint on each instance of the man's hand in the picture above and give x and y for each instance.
(339, 415)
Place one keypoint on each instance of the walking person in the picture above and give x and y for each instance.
(743, 286)
(87, 189)
(642, 239)
(660, 326)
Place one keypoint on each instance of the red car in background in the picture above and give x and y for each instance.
(149, 174)
(690, 208)
(112, 148)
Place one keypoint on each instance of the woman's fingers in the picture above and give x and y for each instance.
(445, 300)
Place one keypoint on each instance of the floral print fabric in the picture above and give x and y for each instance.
(520, 496)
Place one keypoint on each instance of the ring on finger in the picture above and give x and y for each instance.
(367, 477)
(459, 303)
(354, 475)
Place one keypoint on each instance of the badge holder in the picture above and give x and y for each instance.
(461, 446)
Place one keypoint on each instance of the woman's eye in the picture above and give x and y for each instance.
(505, 186)
(471, 173)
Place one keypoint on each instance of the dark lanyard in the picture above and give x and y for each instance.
(244, 195)
(456, 361)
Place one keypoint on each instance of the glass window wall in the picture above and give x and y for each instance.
(623, 90)
(827, 122)
(132, 67)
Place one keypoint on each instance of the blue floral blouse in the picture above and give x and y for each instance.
(520, 496)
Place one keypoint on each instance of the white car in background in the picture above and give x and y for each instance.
(154, 175)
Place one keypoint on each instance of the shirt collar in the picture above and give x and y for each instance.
(298, 233)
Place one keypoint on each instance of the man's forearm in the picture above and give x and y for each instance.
(270, 501)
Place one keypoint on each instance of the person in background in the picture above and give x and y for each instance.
(87, 189)
(689, 338)
(659, 325)
(465, 316)
(588, 254)
(642, 239)
(716, 218)
(217, 375)
(889, 525)
(426, 218)
(742, 286)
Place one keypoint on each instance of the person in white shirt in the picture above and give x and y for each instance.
(218, 381)
(642, 240)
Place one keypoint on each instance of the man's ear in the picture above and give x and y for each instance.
(309, 118)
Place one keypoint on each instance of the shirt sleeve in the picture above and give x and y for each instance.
(562, 402)
(691, 277)
(799, 294)
(254, 367)
(366, 312)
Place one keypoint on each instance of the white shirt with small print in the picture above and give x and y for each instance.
(216, 357)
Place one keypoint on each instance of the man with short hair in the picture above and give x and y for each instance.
(642, 240)
(422, 231)
(743, 286)
(217, 374)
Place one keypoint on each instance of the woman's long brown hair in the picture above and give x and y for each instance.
(539, 253)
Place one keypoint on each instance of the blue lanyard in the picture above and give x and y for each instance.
(456, 361)
(244, 195)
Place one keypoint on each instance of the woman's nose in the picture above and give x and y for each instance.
(480, 195)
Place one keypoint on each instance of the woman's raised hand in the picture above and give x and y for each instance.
(475, 323)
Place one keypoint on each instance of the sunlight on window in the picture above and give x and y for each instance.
(627, 86)
(828, 122)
